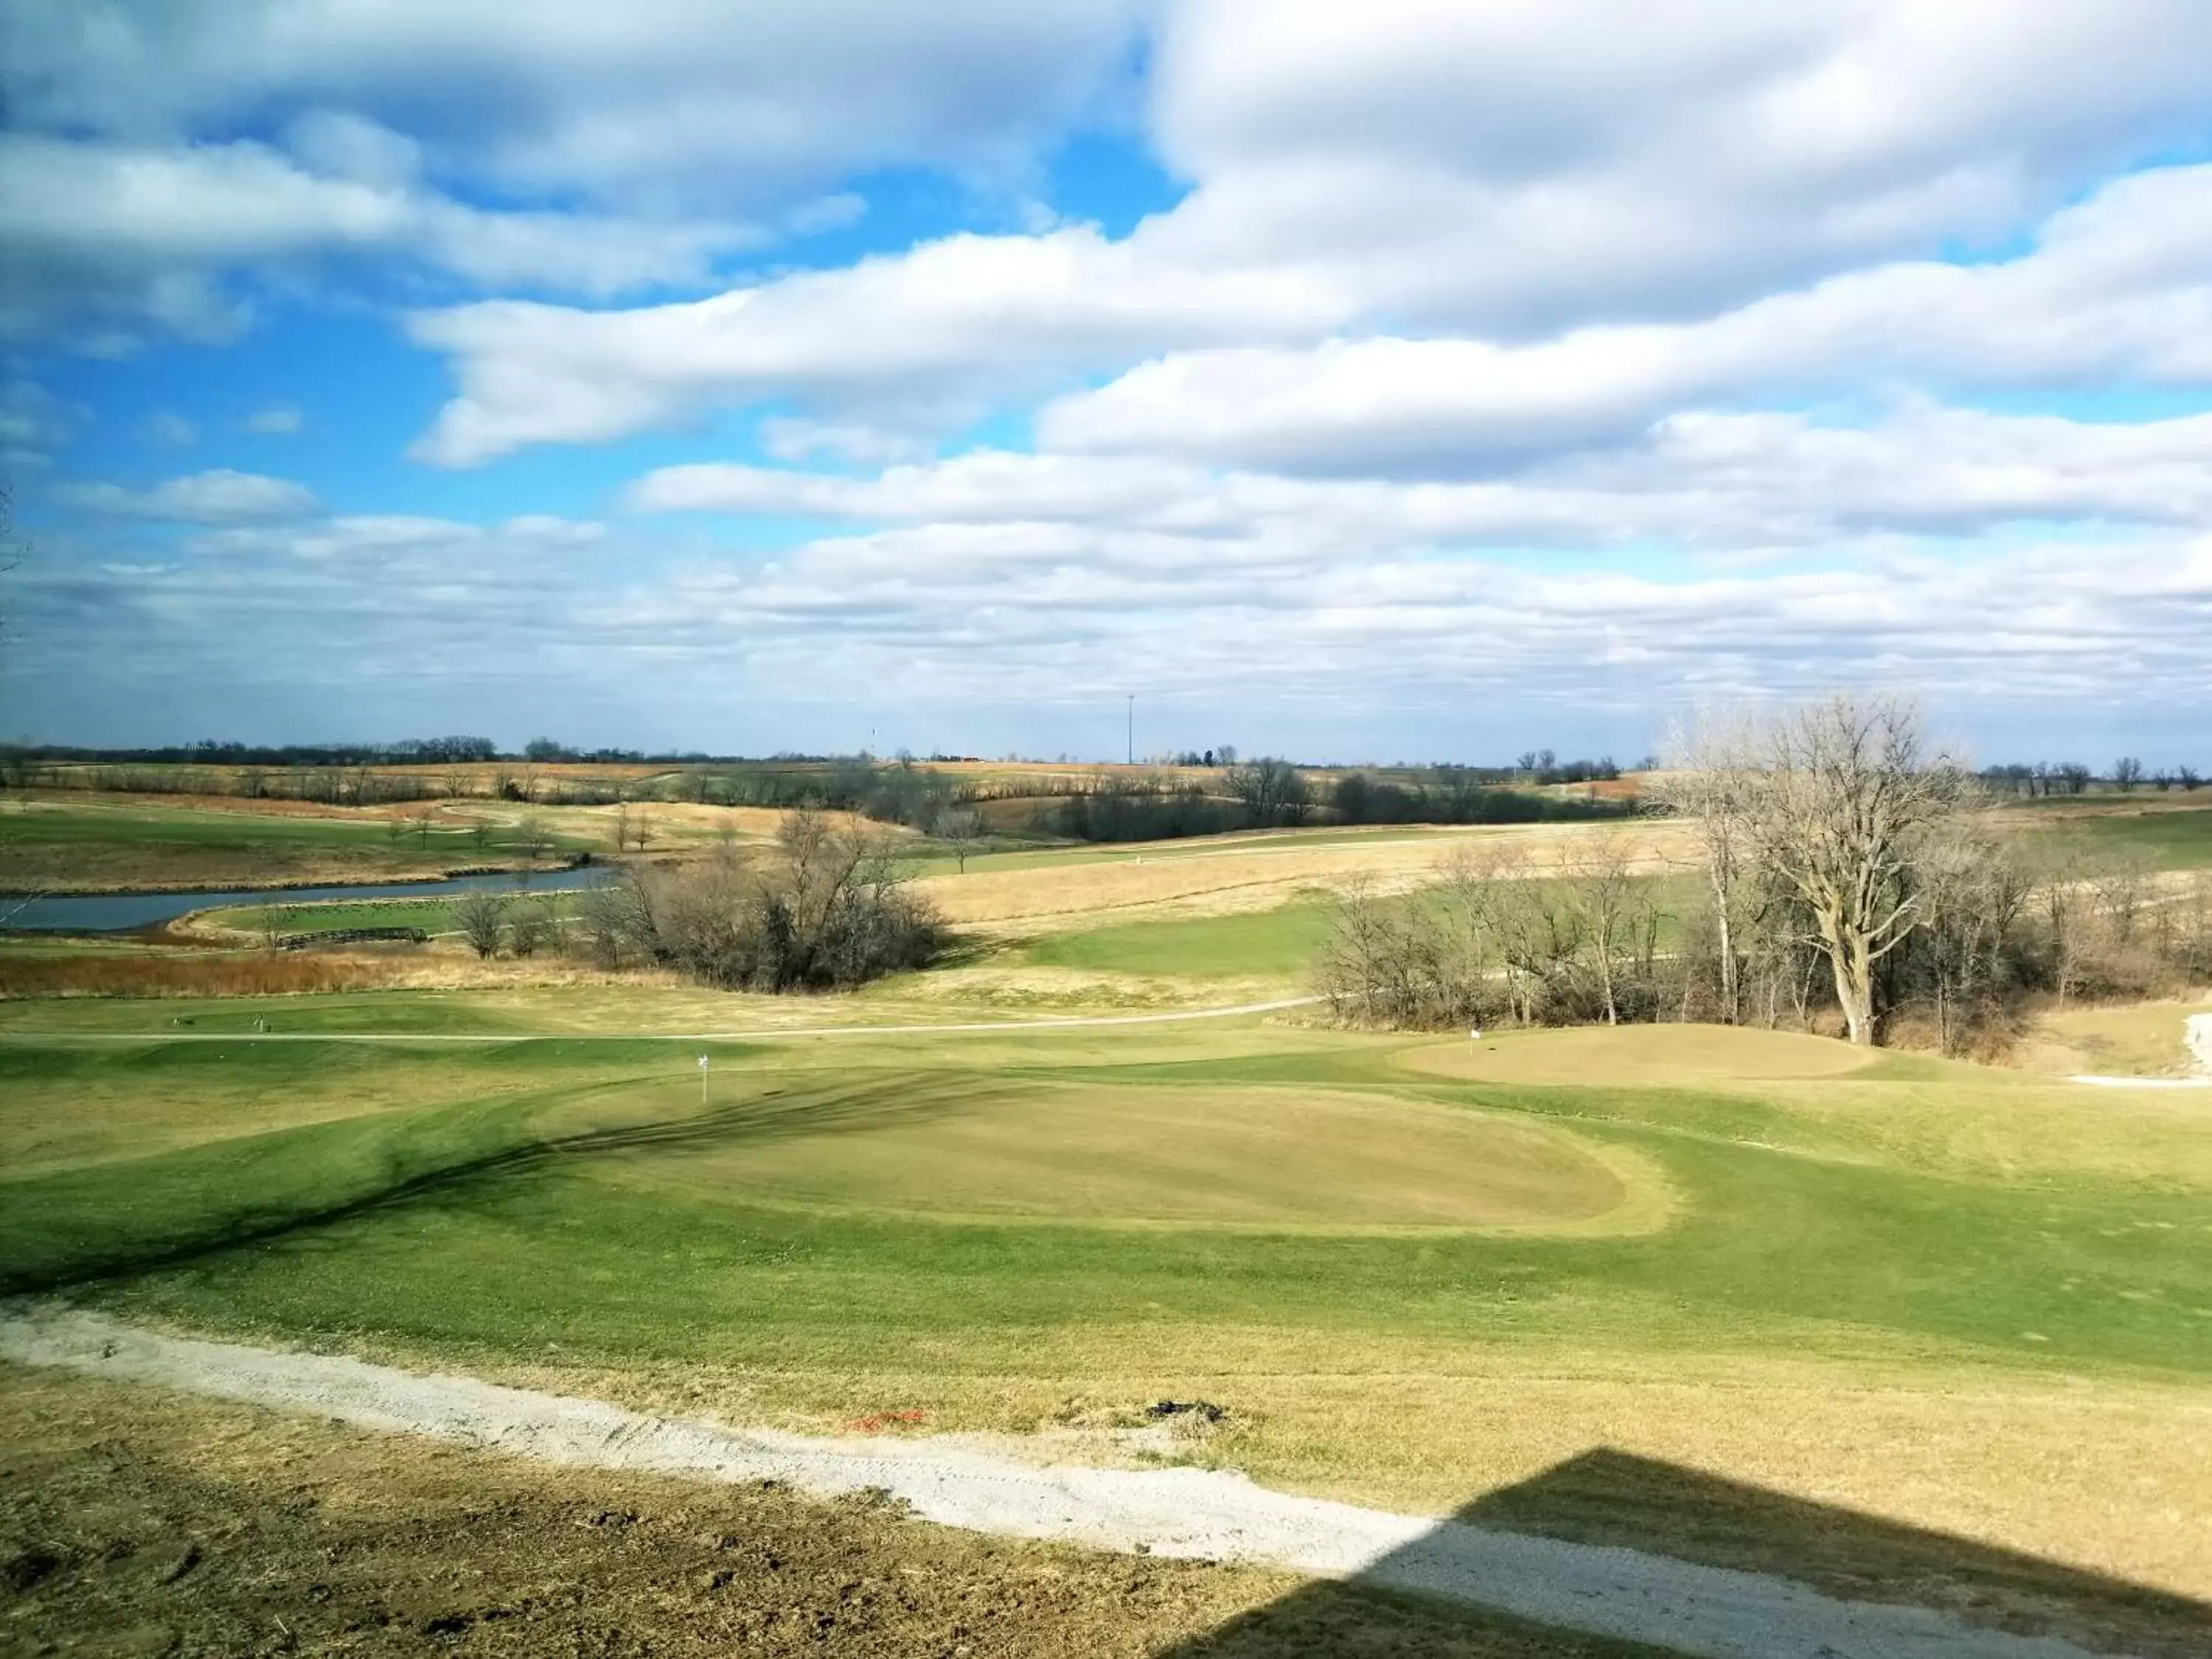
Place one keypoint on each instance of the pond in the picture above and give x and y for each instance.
(120, 913)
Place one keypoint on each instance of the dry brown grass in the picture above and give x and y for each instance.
(176, 973)
(1191, 879)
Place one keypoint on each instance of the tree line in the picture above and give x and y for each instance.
(1846, 878)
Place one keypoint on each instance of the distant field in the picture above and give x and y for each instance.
(2179, 838)
(59, 845)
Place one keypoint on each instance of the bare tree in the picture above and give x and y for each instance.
(964, 833)
(530, 830)
(1708, 779)
(1606, 898)
(1843, 805)
(527, 929)
(2127, 772)
(480, 913)
(1271, 791)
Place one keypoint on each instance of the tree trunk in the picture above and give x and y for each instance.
(1854, 975)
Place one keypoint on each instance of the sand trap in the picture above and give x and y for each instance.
(1188, 1513)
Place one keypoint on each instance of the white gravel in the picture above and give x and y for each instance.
(1183, 1512)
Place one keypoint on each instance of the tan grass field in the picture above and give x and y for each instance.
(1195, 878)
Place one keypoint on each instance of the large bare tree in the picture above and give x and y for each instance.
(1845, 803)
(1708, 778)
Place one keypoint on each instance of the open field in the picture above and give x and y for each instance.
(1970, 1302)
(60, 842)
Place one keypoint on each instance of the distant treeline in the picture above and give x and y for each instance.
(2039, 779)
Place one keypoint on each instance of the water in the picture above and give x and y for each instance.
(121, 913)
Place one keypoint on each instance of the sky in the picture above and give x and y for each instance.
(1409, 379)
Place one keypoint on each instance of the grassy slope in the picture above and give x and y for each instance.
(69, 847)
(1976, 1301)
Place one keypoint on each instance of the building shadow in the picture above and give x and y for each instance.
(1609, 1555)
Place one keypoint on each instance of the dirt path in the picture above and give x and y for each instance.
(1174, 1512)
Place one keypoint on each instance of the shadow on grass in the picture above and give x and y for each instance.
(1915, 1594)
(92, 1226)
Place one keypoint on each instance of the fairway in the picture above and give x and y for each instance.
(1280, 1159)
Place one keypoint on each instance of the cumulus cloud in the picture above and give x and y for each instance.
(684, 100)
(214, 498)
(1511, 170)
(2117, 289)
(929, 335)
(1701, 480)
(139, 235)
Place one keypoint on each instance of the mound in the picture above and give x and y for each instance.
(1248, 1157)
(1648, 1056)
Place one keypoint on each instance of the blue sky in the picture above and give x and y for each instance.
(1412, 380)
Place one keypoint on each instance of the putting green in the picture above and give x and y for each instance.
(1643, 1055)
(1248, 1157)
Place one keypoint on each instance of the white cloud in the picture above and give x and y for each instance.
(143, 235)
(656, 106)
(279, 420)
(1701, 481)
(215, 497)
(166, 426)
(1520, 167)
(926, 335)
(2117, 290)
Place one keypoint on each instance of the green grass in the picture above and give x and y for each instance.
(1278, 944)
(2179, 838)
(431, 915)
(72, 846)
(636, 1251)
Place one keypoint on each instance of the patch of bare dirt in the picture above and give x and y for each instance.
(136, 1522)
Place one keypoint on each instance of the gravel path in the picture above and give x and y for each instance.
(1171, 1512)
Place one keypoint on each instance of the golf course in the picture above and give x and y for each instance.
(1107, 1188)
